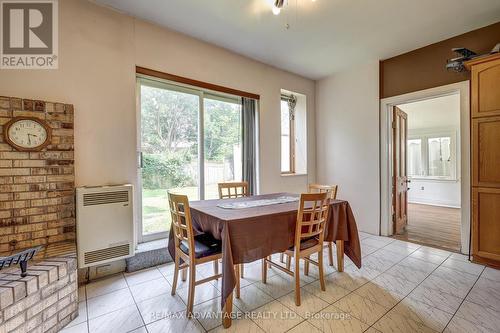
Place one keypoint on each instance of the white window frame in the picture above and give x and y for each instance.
(424, 136)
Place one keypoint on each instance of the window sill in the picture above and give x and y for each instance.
(293, 174)
(435, 179)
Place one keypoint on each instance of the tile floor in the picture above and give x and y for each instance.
(402, 287)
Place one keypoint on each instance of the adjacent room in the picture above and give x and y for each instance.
(260, 166)
(433, 170)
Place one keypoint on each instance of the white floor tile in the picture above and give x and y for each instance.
(277, 285)
(149, 289)
(463, 266)
(460, 325)
(389, 255)
(394, 284)
(109, 302)
(479, 315)
(208, 313)
(450, 281)
(423, 313)
(251, 298)
(487, 293)
(123, 320)
(80, 328)
(428, 256)
(362, 308)
(407, 273)
(333, 320)
(491, 274)
(160, 307)
(202, 293)
(309, 304)
(275, 317)
(142, 276)
(394, 322)
(332, 293)
(436, 298)
(175, 325)
(379, 295)
(244, 325)
(105, 285)
(304, 326)
(419, 264)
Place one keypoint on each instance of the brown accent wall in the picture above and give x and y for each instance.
(424, 68)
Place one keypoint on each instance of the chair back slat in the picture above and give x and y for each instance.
(233, 190)
(181, 220)
(311, 217)
(330, 189)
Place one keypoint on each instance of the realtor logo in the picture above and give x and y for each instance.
(29, 34)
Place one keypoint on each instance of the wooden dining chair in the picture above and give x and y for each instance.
(331, 191)
(190, 249)
(231, 190)
(332, 194)
(309, 234)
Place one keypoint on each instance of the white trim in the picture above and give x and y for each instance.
(386, 105)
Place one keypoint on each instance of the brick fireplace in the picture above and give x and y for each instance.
(37, 188)
(37, 209)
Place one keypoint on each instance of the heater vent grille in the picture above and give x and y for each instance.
(106, 254)
(104, 198)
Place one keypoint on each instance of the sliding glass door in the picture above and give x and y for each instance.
(222, 142)
(189, 141)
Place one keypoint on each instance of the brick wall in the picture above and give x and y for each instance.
(45, 300)
(37, 188)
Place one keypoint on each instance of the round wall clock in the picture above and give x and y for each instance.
(27, 133)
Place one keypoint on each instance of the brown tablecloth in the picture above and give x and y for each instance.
(250, 234)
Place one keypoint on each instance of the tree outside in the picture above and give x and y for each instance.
(170, 149)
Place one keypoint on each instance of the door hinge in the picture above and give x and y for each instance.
(393, 124)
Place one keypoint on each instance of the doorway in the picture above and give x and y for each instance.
(425, 167)
(190, 140)
(426, 195)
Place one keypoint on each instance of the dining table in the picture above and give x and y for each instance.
(255, 227)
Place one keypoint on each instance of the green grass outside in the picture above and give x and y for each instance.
(155, 211)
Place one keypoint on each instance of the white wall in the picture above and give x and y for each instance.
(99, 49)
(347, 145)
(435, 192)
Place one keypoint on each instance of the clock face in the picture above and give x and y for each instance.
(27, 133)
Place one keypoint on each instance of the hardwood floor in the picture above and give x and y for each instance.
(433, 225)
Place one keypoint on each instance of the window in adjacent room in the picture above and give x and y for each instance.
(293, 133)
(432, 155)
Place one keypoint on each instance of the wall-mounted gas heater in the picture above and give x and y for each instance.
(104, 224)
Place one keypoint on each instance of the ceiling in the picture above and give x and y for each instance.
(439, 112)
(324, 36)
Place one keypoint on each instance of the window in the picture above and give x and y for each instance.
(287, 137)
(432, 155)
(190, 140)
(293, 130)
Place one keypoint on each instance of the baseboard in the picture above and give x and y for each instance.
(433, 204)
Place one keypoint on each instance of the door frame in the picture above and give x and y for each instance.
(386, 172)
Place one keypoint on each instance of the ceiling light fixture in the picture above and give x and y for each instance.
(278, 4)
